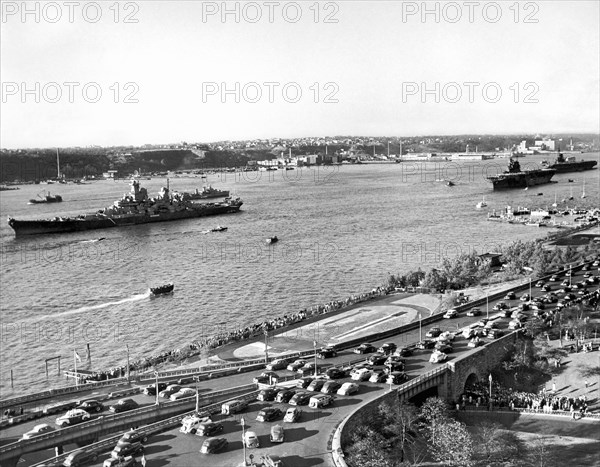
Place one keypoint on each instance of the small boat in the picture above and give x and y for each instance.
(555, 204)
(583, 194)
(481, 204)
(48, 198)
(218, 228)
(540, 194)
(162, 290)
(449, 183)
(272, 240)
(571, 180)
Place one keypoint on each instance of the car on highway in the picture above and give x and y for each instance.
(212, 445)
(308, 370)
(128, 461)
(91, 405)
(452, 313)
(525, 297)
(189, 424)
(446, 336)
(387, 348)
(123, 405)
(267, 394)
(365, 348)
(475, 342)
(285, 395)
(266, 377)
(292, 414)
(320, 400)
(443, 348)
(433, 332)
(515, 324)
(378, 377)
(362, 374)
(396, 377)
(376, 359)
(394, 359)
(494, 333)
(209, 429)
(546, 288)
(80, 457)
(425, 344)
(169, 390)
(72, 417)
(474, 312)
(438, 357)
(151, 391)
(277, 364)
(330, 387)
(348, 389)
(300, 398)
(251, 440)
(186, 380)
(183, 393)
(404, 352)
(316, 384)
(500, 306)
(277, 434)
(327, 352)
(335, 373)
(472, 332)
(37, 430)
(304, 382)
(524, 306)
(296, 365)
(234, 406)
(553, 278)
(510, 296)
(491, 325)
(123, 449)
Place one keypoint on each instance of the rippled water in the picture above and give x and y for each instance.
(341, 231)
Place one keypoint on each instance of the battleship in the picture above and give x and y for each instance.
(133, 209)
(207, 192)
(514, 178)
(570, 164)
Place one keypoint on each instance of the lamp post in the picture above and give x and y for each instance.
(530, 289)
(570, 275)
(490, 380)
(243, 423)
(487, 305)
(315, 349)
(266, 348)
(420, 329)
(390, 375)
(156, 386)
(126, 345)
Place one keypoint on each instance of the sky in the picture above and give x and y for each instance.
(156, 72)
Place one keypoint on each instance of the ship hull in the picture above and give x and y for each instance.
(521, 180)
(51, 226)
(574, 166)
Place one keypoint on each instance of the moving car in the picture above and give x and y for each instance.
(348, 389)
(128, 461)
(277, 434)
(365, 348)
(474, 312)
(438, 357)
(396, 377)
(285, 395)
(452, 313)
(327, 352)
(72, 417)
(387, 348)
(321, 400)
(525, 297)
(475, 342)
(404, 352)
(169, 390)
(292, 415)
(500, 306)
(183, 393)
(510, 296)
(37, 430)
(80, 457)
(151, 391)
(266, 377)
(277, 364)
(433, 332)
(446, 336)
(235, 406)
(251, 440)
(209, 429)
(212, 445)
(123, 449)
(443, 347)
(123, 405)
(189, 424)
(494, 333)
(91, 405)
(296, 365)
(425, 344)
(300, 398)
(376, 359)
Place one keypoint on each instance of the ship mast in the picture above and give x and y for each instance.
(57, 165)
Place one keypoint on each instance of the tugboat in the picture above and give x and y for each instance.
(481, 204)
(515, 178)
(162, 290)
(272, 240)
(47, 198)
(133, 209)
(218, 228)
(570, 164)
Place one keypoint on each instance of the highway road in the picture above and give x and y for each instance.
(311, 440)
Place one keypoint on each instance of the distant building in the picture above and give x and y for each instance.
(546, 144)
(111, 174)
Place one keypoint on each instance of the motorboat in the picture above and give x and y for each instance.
(481, 204)
(272, 239)
(162, 290)
(218, 228)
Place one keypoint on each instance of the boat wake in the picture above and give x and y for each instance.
(100, 306)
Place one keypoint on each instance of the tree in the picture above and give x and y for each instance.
(539, 453)
(399, 425)
(493, 445)
(452, 444)
(368, 449)
(433, 413)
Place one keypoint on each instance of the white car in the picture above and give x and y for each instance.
(278, 364)
(37, 431)
(451, 314)
(251, 440)
(183, 393)
(438, 357)
(73, 417)
(362, 375)
(446, 336)
(347, 389)
(515, 324)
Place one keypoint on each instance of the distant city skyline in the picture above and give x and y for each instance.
(383, 69)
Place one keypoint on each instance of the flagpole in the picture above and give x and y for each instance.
(75, 361)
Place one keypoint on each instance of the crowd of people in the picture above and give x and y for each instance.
(219, 339)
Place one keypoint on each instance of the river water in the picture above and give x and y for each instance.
(341, 229)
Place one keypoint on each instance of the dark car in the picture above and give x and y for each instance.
(510, 296)
(387, 348)
(434, 332)
(396, 377)
(365, 348)
(304, 382)
(267, 395)
(335, 373)
(425, 344)
(285, 396)
(306, 371)
(91, 405)
(80, 457)
(472, 312)
(395, 366)
(123, 406)
(212, 445)
(377, 359)
(269, 413)
(494, 333)
(300, 398)
(126, 449)
(266, 377)
(500, 306)
(134, 436)
(209, 429)
(444, 347)
(316, 385)
(404, 352)
(327, 352)
(330, 387)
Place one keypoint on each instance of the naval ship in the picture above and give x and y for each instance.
(570, 164)
(133, 208)
(207, 192)
(514, 178)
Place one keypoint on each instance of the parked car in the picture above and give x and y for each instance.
(212, 445)
(183, 393)
(515, 324)
(474, 312)
(285, 395)
(128, 461)
(475, 342)
(271, 461)
(235, 406)
(387, 348)
(307, 370)
(500, 306)
(72, 417)
(546, 288)
(277, 364)
(468, 333)
(38, 430)
(91, 405)
(378, 377)
(267, 394)
(186, 380)
(494, 333)
(525, 297)
(425, 344)
(327, 352)
(169, 390)
(277, 434)
(330, 387)
(443, 347)
(80, 457)
(348, 389)
(365, 348)
(292, 415)
(396, 377)
(316, 385)
(404, 352)
(209, 429)
(266, 377)
(433, 332)
(321, 400)
(510, 296)
(300, 398)
(438, 357)
(123, 449)
(296, 365)
(123, 405)
(452, 313)
(362, 374)
(376, 359)
(251, 440)
(335, 373)
(304, 382)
